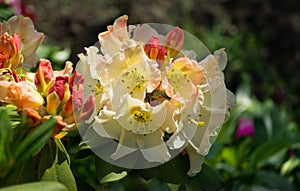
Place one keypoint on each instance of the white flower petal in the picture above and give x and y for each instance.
(127, 145)
(106, 126)
(196, 161)
(153, 147)
(177, 141)
(96, 61)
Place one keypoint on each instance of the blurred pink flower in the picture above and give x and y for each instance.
(20, 8)
(245, 128)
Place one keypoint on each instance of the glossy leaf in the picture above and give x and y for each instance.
(62, 148)
(37, 186)
(35, 140)
(111, 177)
(103, 168)
(61, 173)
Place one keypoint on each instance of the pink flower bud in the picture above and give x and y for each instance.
(76, 80)
(154, 50)
(43, 76)
(33, 117)
(68, 111)
(245, 128)
(88, 108)
(174, 41)
(59, 86)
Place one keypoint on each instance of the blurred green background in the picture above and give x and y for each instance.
(262, 38)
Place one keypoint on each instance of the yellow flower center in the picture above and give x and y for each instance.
(132, 78)
(139, 114)
(177, 78)
(98, 88)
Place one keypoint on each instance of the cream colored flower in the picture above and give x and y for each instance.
(181, 78)
(149, 108)
(131, 71)
(201, 123)
(112, 40)
(137, 126)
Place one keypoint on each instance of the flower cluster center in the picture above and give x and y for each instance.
(140, 115)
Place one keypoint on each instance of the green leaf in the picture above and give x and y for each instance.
(35, 141)
(290, 165)
(270, 148)
(62, 148)
(6, 13)
(111, 177)
(103, 168)
(173, 187)
(273, 180)
(174, 172)
(61, 173)
(209, 179)
(61, 56)
(83, 151)
(47, 158)
(6, 159)
(37, 186)
(19, 174)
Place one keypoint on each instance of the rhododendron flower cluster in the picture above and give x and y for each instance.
(153, 96)
(42, 93)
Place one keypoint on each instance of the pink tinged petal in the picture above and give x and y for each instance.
(196, 161)
(43, 76)
(76, 81)
(144, 33)
(30, 38)
(174, 41)
(77, 99)
(66, 71)
(191, 68)
(3, 91)
(17, 41)
(112, 40)
(88, 108)
(21, 94)
(221, 57)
